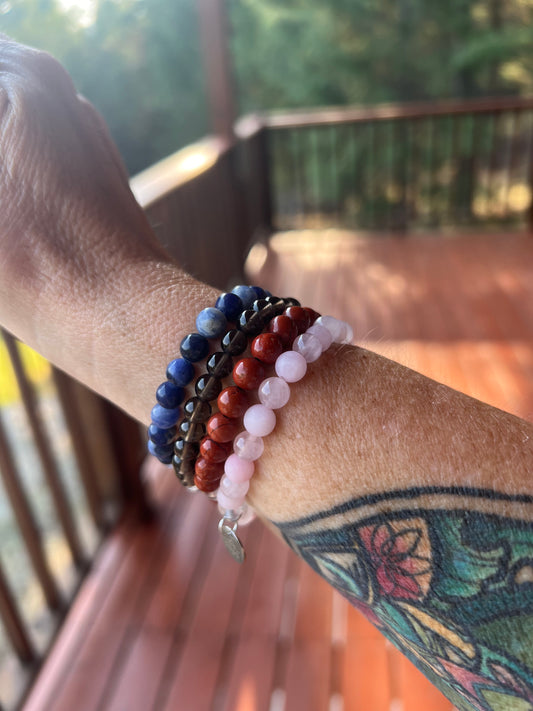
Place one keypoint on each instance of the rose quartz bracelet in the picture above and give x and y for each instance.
(259, 421)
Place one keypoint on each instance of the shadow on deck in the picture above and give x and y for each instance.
(166, 621)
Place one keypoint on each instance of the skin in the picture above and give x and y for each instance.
(85, 282)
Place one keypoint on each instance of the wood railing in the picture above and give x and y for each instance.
(404, 167)
(69, 463)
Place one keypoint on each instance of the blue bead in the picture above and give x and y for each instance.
(247, 295)
(260, 292)
(180, 372)
(161, 436)
(164, 417)
(211, 323)
(163, 452)
(169, 395)
(231, 305)
(194, 347)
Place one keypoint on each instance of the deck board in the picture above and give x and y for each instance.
(165, 622)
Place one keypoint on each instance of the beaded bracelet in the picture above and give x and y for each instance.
(260, 420)
(229, 307)
(250, 309)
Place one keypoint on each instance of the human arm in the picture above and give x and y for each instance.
(87, 284)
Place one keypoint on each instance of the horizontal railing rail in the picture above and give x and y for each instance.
(404, 167)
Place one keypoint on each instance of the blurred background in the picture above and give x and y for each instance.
(140, 61)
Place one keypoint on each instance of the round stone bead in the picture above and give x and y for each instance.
(205, 485)
(248, 446)
(196, 410)
(233, 489)
(180, 371)
(244, 514)
(265, 308)
(246, 294)
(335, 327)
(165, 417)
(348, 335)
(274, 393)
(309, 346)
(251, 322)
(261, 293)
(215, 451)
(323, 335)
(232, 402)
(234, 342)
(300, 317)
(159, 435)
(227, 502)
(191, 431)
(238, 469)
(266, 347)
(184, 469)
(259, 420)
(222, 428)
(313, 315)
(208, 470)
(291, 301)
(248, 373)
(163, 452)
(291, 366)
(194, 347)
(211, 322)
(207, 387)
(231, 305)
(185, 450)
(169, 395)
(220, 364)
(278, 304)
(285, 328)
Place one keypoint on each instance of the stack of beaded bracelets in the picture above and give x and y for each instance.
(217, 457)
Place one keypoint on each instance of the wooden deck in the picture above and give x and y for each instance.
(165, 622)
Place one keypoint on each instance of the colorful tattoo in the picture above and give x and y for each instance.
(445, 574)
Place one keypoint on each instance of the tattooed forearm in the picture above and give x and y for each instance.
(447, 575)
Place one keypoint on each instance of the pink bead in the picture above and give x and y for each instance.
(309, 346)
(335, 327)
(348, 335)
(323, 335)
(238, 469)
(248, 446)
(274, 393)
(233, 489)
(259, 420)
(228, 502)
(291, 366)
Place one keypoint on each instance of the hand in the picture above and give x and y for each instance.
(68, 220)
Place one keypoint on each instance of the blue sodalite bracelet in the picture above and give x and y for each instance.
(212, 322)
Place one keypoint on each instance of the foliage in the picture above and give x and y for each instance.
(140, 61)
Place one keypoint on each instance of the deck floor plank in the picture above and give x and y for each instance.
(165, 622)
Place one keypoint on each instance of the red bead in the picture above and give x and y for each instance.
(215, 451)
(285, 328)
(267, 347)
(206, 485)
(313, 315)
(232, 402)
(222, 428)
(248, 374)
(299, 316)
(210, 471)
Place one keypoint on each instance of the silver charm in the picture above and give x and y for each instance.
(228, 531)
